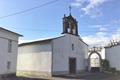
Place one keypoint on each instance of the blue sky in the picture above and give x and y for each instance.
(98, 20)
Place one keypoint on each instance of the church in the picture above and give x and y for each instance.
(55, 56)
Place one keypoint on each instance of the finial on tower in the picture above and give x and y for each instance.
(70, 9)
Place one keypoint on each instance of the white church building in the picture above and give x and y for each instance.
(8, 51)
(112, 54)
(61, 55)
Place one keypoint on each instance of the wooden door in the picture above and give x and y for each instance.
(72, 65)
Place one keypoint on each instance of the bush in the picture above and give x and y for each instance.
(105, 64)
(112, 69)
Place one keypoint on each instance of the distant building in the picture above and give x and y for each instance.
(8, 51)
(61, 55)
(112, 54)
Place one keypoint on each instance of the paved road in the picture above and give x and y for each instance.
(89, 76)
(82, 76)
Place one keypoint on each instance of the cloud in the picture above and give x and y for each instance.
(103, 29)
(89, 7)
(116, 35)
(92, 5)
(117, 21)
(98, 39)
(101, 34)
(76, 4)
(100, 27)
(101, 38)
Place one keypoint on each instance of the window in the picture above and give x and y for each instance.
(72, 46)
(9, 46)
(8, 65)
(68, 30)
(73, 31)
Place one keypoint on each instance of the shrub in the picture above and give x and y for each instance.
(112, 69)
(105, 64)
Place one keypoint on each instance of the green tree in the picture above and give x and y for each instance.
(105, 64)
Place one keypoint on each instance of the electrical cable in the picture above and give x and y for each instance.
(30, 9)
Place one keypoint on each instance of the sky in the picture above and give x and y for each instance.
(98, 20)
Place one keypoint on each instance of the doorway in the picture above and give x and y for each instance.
(94, 60)
(72, 65)
(95, 63)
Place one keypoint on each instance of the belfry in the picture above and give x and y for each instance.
(70, 25)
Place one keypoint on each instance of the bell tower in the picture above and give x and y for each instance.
(70, 25)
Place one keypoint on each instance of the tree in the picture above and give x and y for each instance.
(105, 64)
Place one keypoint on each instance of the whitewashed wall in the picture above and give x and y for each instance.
(35, 57)
(5, 56)
(62, 51)
(113, 56)
(101, 52)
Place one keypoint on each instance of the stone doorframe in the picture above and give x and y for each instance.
(94, 52)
